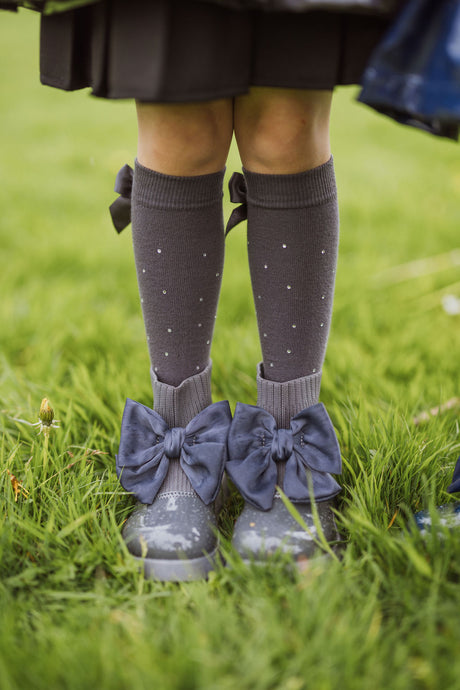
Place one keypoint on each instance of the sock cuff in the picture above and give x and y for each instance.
(155, 190)
(178, 405)
(301, 190)
(285, 400)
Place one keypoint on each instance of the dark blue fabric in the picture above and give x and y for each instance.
(455, 484)
(366, 6)
(147, 445)
(255, 444)
(414, 74)
(120, 210)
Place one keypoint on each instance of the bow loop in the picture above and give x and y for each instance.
(147, 445)
(309, 448)
(237, 188)
(238, 195)
(120, 209)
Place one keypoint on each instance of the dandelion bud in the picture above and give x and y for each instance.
(46, 414)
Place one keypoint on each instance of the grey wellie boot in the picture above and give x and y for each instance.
(172, 458)
(288, 441)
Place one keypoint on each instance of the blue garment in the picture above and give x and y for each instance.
(413, 75)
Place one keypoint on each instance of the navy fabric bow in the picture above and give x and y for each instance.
(413, 74)
(120, 210)
(455, 484)
(255, 445)
(147, 445)
(238, 192)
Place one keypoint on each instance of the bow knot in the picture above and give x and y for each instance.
(120, 210)
(147, 445)
(282, 444)
(238, 195)
(309, 448)
(174, 440)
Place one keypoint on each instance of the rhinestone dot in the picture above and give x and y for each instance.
(204, 254)
(323, 296)
(158, 251)
(289, 351)
(284, 246)
(142, 300)
(321, 324)
(166, 354)
(294, 325)
(199, 325)
(207, 342)
(169, 330)
(259, 297)
(164, 292)
(289, 287)
(217, 275)
(143, 270)
(156, 368)
(314, 371)
(271, 364)
(265, 335)
(201, 299)
(265, 266)
(197, 368)
(323, 251)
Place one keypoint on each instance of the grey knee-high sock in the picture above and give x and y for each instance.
(178, 239)
(293, 230)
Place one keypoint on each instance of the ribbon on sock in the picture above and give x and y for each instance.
(238, 195)
(120, 209)
(147, 445)
(255, 445)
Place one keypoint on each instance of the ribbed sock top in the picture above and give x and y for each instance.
(302, 190)
(285, 400)
(156, 190)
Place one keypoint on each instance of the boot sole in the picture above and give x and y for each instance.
(185, 570)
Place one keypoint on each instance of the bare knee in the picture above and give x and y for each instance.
(283, 131)
(184, 139)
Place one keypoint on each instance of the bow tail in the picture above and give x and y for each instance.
(299, 479)
(237, 216)
(144, 480)
(204, 466)
(255, 478)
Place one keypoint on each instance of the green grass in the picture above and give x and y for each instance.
(74, 610)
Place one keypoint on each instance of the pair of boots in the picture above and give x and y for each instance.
(173, 459)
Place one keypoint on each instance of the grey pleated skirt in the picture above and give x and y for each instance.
(186, 50)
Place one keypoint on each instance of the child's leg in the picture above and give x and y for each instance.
(283, 138)
(178, 230)
(178, 239)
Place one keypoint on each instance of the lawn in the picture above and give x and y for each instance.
(74, 610)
